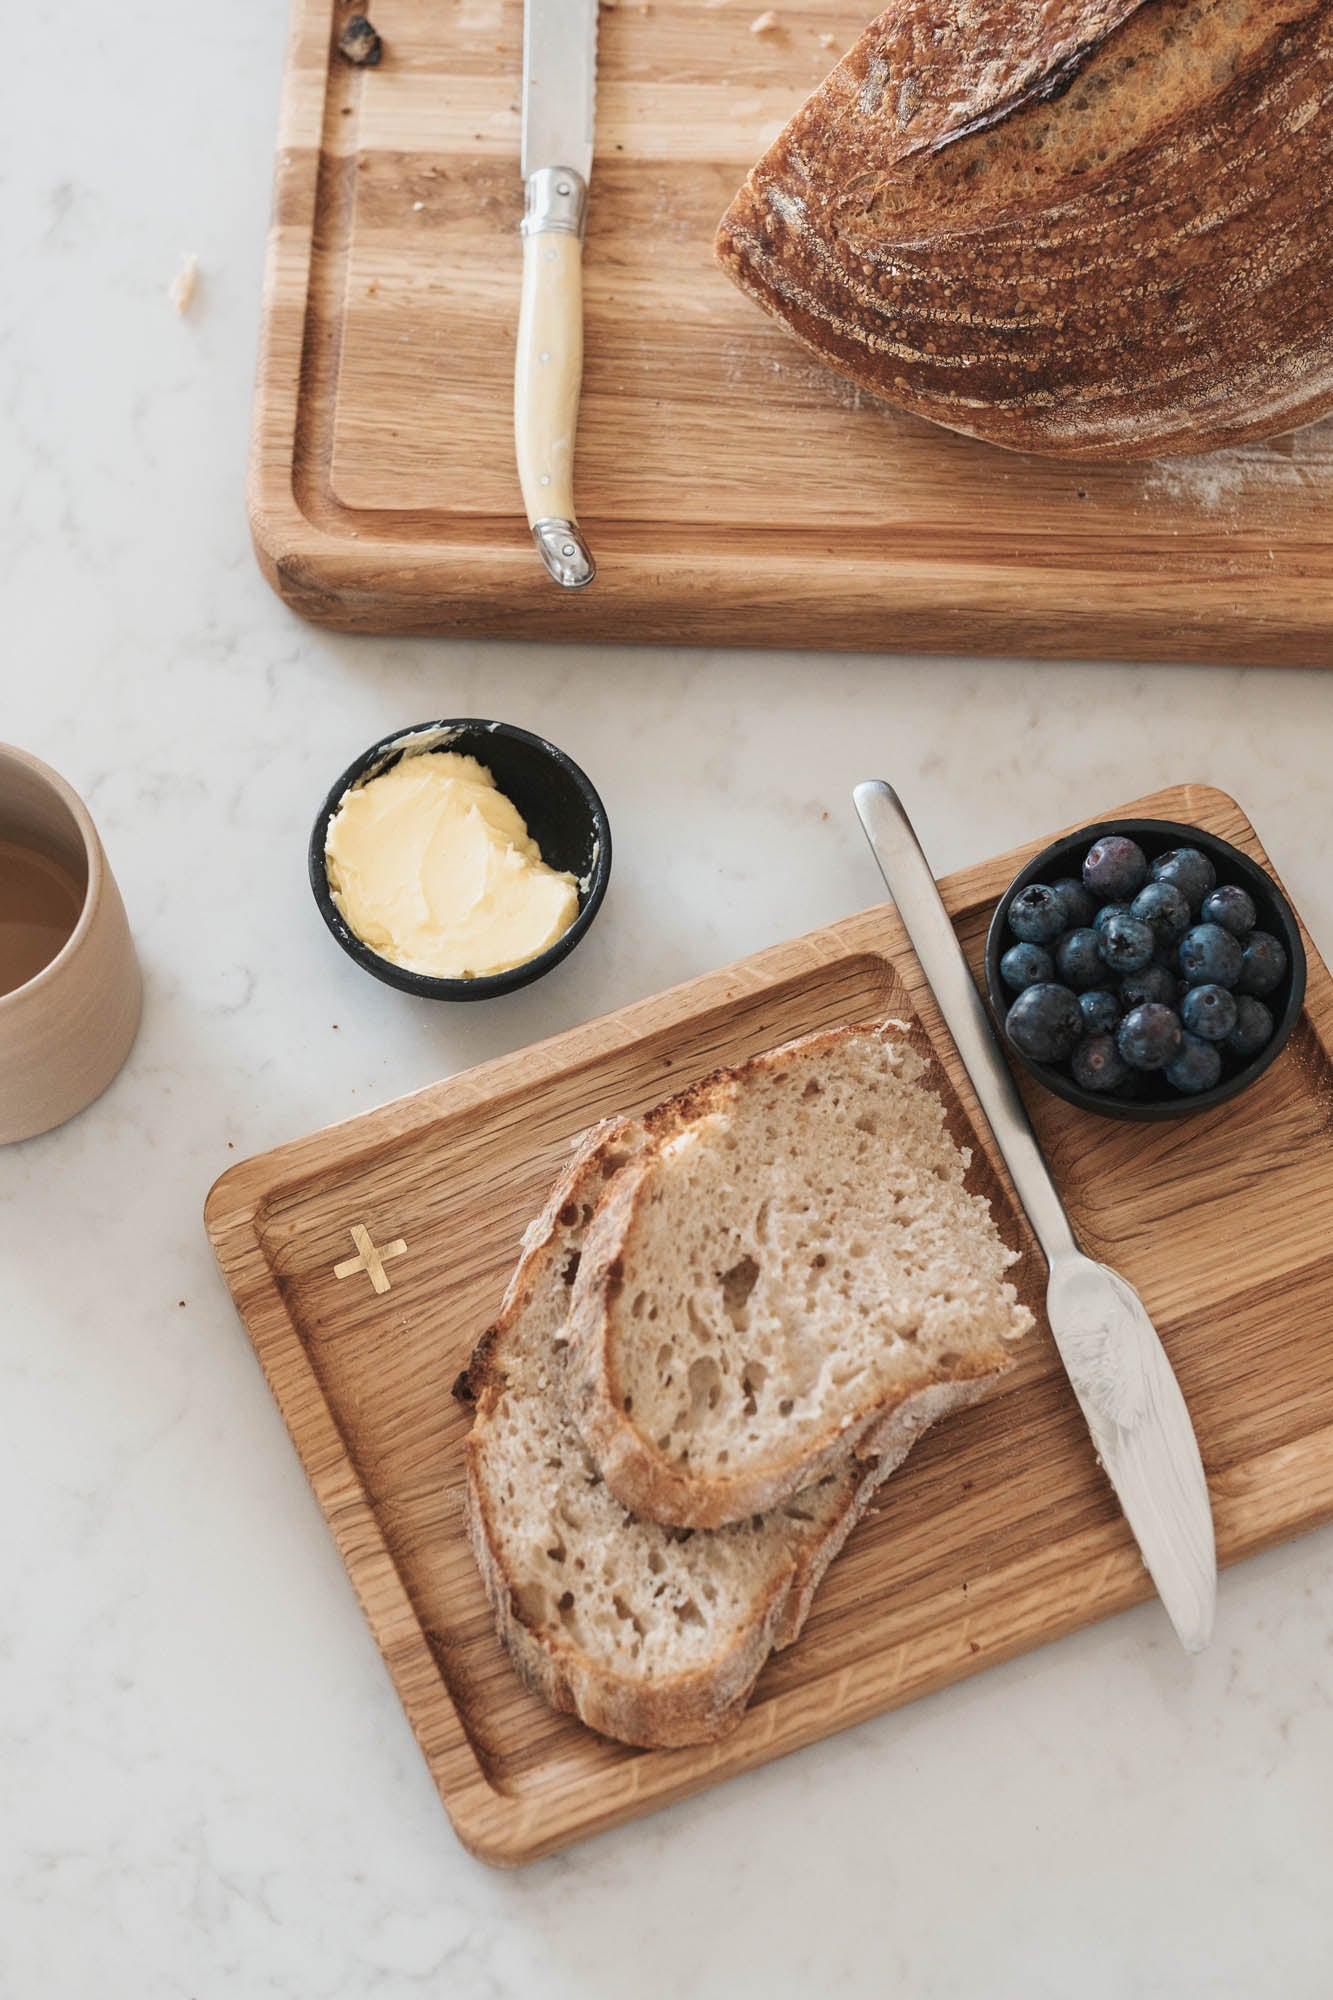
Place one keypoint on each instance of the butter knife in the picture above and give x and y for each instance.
(559, 81)
(1111, 1351)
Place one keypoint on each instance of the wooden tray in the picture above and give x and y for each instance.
(998, 1533)
(735, 491)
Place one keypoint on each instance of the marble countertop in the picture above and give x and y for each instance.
(210, 1789)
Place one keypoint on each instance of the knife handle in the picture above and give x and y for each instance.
(548, 369)
(910, 882)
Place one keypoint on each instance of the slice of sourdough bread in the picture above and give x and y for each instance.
(789, 1268)
(651, 1634)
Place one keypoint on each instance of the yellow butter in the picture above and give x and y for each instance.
(433, 868)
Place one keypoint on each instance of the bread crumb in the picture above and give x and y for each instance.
(764, 24)
(828, 41)
(417, 205)
(182, 288)
(359, 44)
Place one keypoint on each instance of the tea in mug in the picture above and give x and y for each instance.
(40, 902)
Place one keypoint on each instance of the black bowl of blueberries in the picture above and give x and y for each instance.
(1143, 969)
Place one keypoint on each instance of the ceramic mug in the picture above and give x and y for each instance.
(64, 1033)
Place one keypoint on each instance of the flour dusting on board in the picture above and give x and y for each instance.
(1229, 483)
(747, 361)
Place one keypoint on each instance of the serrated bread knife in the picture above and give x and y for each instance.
(1109, 1346)
(559, 80)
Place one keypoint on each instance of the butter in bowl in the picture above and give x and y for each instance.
(458, 860)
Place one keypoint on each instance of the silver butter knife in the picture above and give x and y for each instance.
(559, 81)
(1109, 1346)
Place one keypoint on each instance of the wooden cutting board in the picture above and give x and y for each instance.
(735, 492)
(366, 1259)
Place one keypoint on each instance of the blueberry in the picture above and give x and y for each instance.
(1044, 1023)
(1078, 904)
(1115, 866)
(1231, 907)
(1210, 956)
(1126, 944)
(1105, 914)
(1098, 1064)
(1164, 909)
(1149, 1036)
(1101, 1011)
(1036, 914)
(1026, 965)
(1151, 982)
(1264, 963)
(1209, 1012)
(1187, 870)
(1078, 960)
(1196, 1068)
(1254, 1027)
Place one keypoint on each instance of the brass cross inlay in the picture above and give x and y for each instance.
(368, 1258)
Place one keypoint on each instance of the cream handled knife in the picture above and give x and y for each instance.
(559, 77)
(1110, 1349)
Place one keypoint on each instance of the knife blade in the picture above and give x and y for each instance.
(559, 88)
(1112, 1354)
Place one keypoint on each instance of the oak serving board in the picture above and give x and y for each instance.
(999, 1532)
(735, 492)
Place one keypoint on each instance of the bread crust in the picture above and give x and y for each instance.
(642, 1477)
(1168, 298)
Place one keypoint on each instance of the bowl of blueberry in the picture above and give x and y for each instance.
(1144, 969)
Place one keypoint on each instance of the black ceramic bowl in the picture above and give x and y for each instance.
(563, 814)
(1152, 1096)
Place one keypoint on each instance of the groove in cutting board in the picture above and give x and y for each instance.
(736, 492)
(999, 1532)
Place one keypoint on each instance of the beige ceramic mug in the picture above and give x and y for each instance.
(66, 1029)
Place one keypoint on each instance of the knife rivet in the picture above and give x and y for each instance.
(569, 549)
(563, 187)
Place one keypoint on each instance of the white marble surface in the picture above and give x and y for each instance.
(209, 1788)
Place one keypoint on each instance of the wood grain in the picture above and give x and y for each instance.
(735, 491)
(998, 1534)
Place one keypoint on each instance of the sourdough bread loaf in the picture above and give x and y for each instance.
(1097, 230)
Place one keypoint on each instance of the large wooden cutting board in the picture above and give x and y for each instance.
(999, 1532)
(735, 492)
